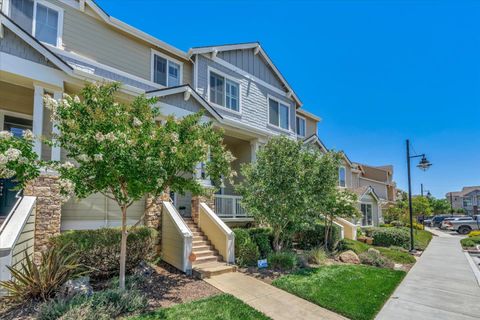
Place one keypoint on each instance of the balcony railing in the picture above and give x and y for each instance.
(227, 206)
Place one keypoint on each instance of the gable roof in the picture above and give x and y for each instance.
(34, 43)
(316, 140)
(116, 23)
(186, 89)
(361, 191)
(244, 46)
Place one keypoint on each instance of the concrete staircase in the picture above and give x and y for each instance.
(208, 263)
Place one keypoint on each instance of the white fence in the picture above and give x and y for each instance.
(227, 206)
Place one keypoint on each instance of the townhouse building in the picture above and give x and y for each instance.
(468, 199)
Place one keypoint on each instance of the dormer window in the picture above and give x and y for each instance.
(301, 126)
(224, 92)
(166, 71)
(40, 18)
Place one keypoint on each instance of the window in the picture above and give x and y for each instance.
(467, 201)
(301, 126)
(367, 216)
(166, 72)
(41, 19)
(224, 92)
(341, 177)
(278, 114)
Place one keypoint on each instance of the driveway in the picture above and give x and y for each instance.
(441, 285)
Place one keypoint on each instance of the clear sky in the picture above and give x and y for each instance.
(376, 72)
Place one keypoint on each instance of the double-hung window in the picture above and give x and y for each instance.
(41, 19)
(224, 92)
(166, 72)
(278, 114)
(301, 126)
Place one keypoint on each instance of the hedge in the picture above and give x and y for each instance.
(99, 250)
(387, 237)
(313, 236)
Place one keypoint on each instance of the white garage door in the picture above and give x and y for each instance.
(97, 211)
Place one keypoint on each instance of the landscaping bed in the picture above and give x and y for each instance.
(355, 291)
(219, 307)
(397, 255)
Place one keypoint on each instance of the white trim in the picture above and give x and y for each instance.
(371, 211)
(11, 231)
(314, 138)
(309, 115)
(296, 128)
(226, 77)
(81, 58)
(16, 114)
(56, 150)
(195, 73)
(37, 124)
(289, 130)
(376, 181)
(168, 58)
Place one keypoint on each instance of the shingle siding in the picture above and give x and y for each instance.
(254, 104)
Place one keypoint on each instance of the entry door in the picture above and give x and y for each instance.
(7, 193)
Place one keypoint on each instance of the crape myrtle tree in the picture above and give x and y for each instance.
(124, 152)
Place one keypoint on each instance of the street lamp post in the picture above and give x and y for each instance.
(424, 164)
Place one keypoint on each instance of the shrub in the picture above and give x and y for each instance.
(397, 223)
(387, 237)
(99, 250)
(317, 256)
(373, 257)
(386, 225)
(470, 242)
(416, 226)
(313, 236)
(246, 251)
(41, 281)
(475, 233)
(103, 305)
(283, 260)
(262, 237)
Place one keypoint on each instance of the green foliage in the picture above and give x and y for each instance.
(355, 291)
(416, 226)
(99, 250)
(222, 306)
(387, 237)
(282, 260)
(102, 305)
(374, 258)
(474, 233)
(287, 185)
(397, 223)
(313, 235)
(396, 254)
(41, 281)
(470, 242)
(262, 237)
(246, 250)
(394, 212)
(439, 206)
(17, 158)
(317, 256)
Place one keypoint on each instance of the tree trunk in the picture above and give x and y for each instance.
(123, 248)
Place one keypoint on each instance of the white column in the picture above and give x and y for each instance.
(38, 119)
(254, 146)
(56, 150)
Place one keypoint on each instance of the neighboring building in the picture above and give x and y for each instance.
(468, 199)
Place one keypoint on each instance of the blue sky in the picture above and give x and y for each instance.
(376, 72)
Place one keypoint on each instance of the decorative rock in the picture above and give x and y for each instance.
(143, 269)
(349, 257)
(75, 286)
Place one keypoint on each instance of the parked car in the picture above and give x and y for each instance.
(464, 226)
(437, 220)
(427, 221)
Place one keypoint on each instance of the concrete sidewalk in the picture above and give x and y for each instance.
(273, 302)
(440, 286)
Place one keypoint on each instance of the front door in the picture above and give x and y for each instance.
(7, 186)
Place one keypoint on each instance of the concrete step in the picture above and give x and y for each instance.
(196, 243)
(207, 259)
(211, 269)
(199, 238)
(197, 233)
(199, 248)
(206, 253)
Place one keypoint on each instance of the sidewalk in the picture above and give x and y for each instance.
(273, 302)
(440, 286)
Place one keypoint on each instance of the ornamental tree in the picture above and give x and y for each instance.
(124, 152)
(18, 161)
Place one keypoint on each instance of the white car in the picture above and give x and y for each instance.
(445, 221)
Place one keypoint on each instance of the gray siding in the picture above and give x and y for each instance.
(177, 100)
(14, 45)
(253, 98)
(253, 64)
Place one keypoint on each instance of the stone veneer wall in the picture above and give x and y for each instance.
(196, 200)
(48, 210)
(153, 215)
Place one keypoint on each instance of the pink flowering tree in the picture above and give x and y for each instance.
(18, 161)
(124, 152)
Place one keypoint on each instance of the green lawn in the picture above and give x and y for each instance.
(422, 239)
(355, 291)
(221, 307)
(393, 254)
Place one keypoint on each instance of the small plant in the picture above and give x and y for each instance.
(41, 281)
(373, 258)
(317, 256)
(397, 223)
(475, 233)
(470, 242)
(283, 260)
(246, 250)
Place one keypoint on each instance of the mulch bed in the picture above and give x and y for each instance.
(165, 287)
